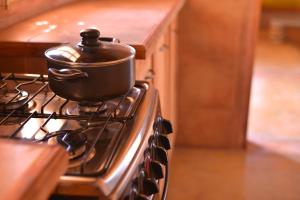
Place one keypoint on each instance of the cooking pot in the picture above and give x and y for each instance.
(93, 70)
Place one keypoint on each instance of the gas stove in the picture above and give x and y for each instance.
(117, 148)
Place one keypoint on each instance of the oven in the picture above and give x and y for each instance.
(118, 148)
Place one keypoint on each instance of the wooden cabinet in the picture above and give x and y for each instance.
(216, 41)
(160, 68)
(164, 69)
(143, 69)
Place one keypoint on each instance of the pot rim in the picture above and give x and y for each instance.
(94, 64)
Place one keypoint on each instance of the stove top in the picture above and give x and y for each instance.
(91, 132)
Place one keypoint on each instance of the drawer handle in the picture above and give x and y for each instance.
(164, 47)
(149, 75)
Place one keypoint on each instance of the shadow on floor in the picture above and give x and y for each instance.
(252, 174)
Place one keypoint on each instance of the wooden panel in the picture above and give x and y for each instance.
(143, 69)
(23, 65)
(13, 65)
(36, 65)
(173, 79)
(161, 68)
(216, 42)
(165, 74)
(29, 171)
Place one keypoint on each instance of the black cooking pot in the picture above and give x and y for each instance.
(94, 70)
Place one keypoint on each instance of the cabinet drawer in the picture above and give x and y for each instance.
(144, 69)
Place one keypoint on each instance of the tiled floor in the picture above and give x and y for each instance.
(270, 167)
(274, 120)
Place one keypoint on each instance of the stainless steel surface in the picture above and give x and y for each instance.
(91, 51)
(72, 55)
(91, 83)
(122, 170)
(92, 70)
(109, 168)
(144, 130)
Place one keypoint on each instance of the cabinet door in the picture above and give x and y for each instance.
(173, 73)
(165, 72)
(143, 69)
(161, 69)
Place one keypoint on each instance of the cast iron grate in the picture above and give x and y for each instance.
(27, 79)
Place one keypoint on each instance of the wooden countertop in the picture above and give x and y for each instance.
(134, 22)
(29, 171)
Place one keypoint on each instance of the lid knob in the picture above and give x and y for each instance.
(89, 38)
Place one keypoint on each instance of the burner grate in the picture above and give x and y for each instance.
(41, 113)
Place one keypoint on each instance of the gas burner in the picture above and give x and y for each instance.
(75, 163)
(74, 141)
(92, 107)
(13, 100)
(101, 109)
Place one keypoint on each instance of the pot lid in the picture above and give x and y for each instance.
(91, 51)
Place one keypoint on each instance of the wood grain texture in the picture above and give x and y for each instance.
(174, 78)
(138, 23)
(161, 68)
(143, 69)
(29, 171)
(216, 44)
(19, 10)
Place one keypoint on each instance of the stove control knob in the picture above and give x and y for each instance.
(163, 126)
(145, 186)
(156, 170)
(150, 187)
(160, 155)
(160, 140)
(166, 126)
(163, 142)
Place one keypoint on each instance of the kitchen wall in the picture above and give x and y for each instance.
(12, 11)
(216, 45)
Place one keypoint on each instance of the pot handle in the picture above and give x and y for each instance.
(67, 74)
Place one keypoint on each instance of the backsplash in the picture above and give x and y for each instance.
(13, 11)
